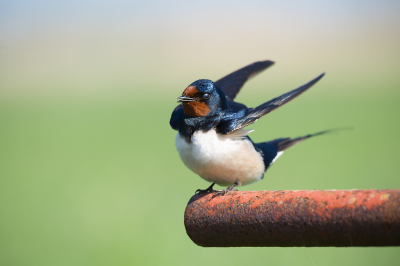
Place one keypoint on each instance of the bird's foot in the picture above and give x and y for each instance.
(207, 190)
(224, 191)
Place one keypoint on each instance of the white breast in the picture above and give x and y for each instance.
(221, 159)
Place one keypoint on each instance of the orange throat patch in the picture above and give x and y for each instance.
(195, 109)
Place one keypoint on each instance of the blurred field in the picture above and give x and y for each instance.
(102, 184)
(89, 171)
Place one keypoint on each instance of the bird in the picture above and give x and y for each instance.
(211, 139)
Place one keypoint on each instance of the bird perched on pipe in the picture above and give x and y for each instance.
(211, 139)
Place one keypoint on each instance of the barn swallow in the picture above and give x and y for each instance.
(211, 139)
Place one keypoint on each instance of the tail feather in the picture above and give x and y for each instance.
(288, 142)
(271, 150)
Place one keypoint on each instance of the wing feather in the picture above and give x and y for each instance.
(232, 83)
(254, 114)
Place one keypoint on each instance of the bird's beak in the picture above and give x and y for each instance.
(184, 98)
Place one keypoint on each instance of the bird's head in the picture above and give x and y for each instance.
(202, 98)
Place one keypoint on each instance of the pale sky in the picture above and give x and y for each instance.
(81, 48)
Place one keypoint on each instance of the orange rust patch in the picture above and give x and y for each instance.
(328, 198)
(190, 91)
(295, 218)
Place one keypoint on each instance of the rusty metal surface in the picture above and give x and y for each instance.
(309, 218)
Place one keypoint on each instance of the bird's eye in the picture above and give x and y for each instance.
(206, 95)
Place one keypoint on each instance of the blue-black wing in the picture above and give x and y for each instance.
(232, 83)
(176, 117)
(253, 114)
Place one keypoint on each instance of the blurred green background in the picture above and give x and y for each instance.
(89, 171)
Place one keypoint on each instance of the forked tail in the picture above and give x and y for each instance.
(271, 150)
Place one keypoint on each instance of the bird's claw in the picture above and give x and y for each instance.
(222, 192)
(218, 192)
(200, 191)
(207, 190)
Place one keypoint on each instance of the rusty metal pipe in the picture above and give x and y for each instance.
(310, 218)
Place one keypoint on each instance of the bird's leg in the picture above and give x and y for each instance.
(209, 189)
(224, 191)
